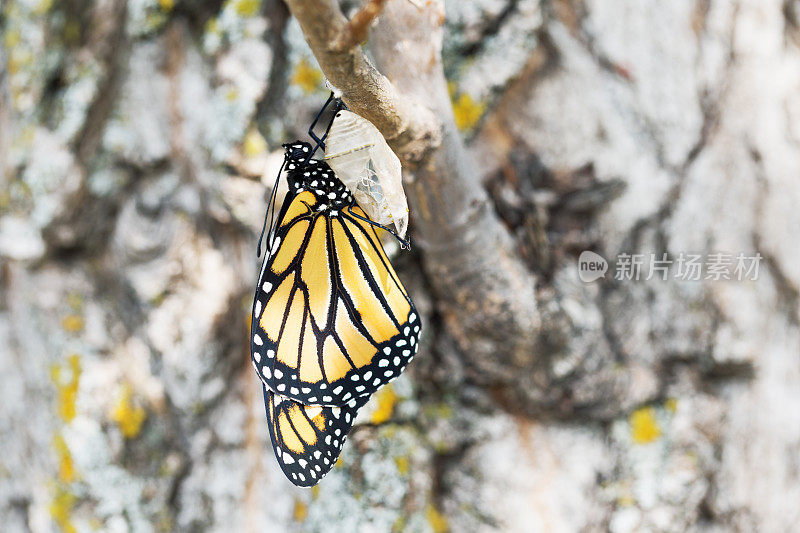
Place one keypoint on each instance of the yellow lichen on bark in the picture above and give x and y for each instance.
(254, 144)
(128, 416)
(247, 8)
(66, 466)
(66, 379)
(671, 405)
(403, 464)
(61, 509)
(72, 323)
(306, 76)
(386, 399)
(466, 111)
(644, 426)
(300, 510)
(436, 519)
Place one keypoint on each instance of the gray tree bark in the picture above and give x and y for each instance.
(138, 143)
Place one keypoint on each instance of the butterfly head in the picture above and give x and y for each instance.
(296, 153)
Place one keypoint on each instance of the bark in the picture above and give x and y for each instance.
(133, 187)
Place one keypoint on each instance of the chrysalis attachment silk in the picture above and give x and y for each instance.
(360, 157)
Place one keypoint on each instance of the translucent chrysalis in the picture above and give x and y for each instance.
(360, 157)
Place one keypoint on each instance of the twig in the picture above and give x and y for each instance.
(357, 28)
(410, 127)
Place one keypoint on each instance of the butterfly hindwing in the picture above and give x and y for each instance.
(331, 319)
(307, 440)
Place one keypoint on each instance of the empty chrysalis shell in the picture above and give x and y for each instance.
(360, 157)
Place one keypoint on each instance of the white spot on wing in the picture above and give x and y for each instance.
(313, 410)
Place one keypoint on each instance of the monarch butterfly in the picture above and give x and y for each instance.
(331, 321)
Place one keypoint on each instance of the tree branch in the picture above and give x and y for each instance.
(411, 128)
(484, 292)
(357, 28)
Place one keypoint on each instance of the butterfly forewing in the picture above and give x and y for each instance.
(331, 319)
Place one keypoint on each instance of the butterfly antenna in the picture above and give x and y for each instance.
(404, 244)
(271, 206)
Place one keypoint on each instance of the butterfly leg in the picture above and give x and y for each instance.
(404, 244)
(320, 141)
